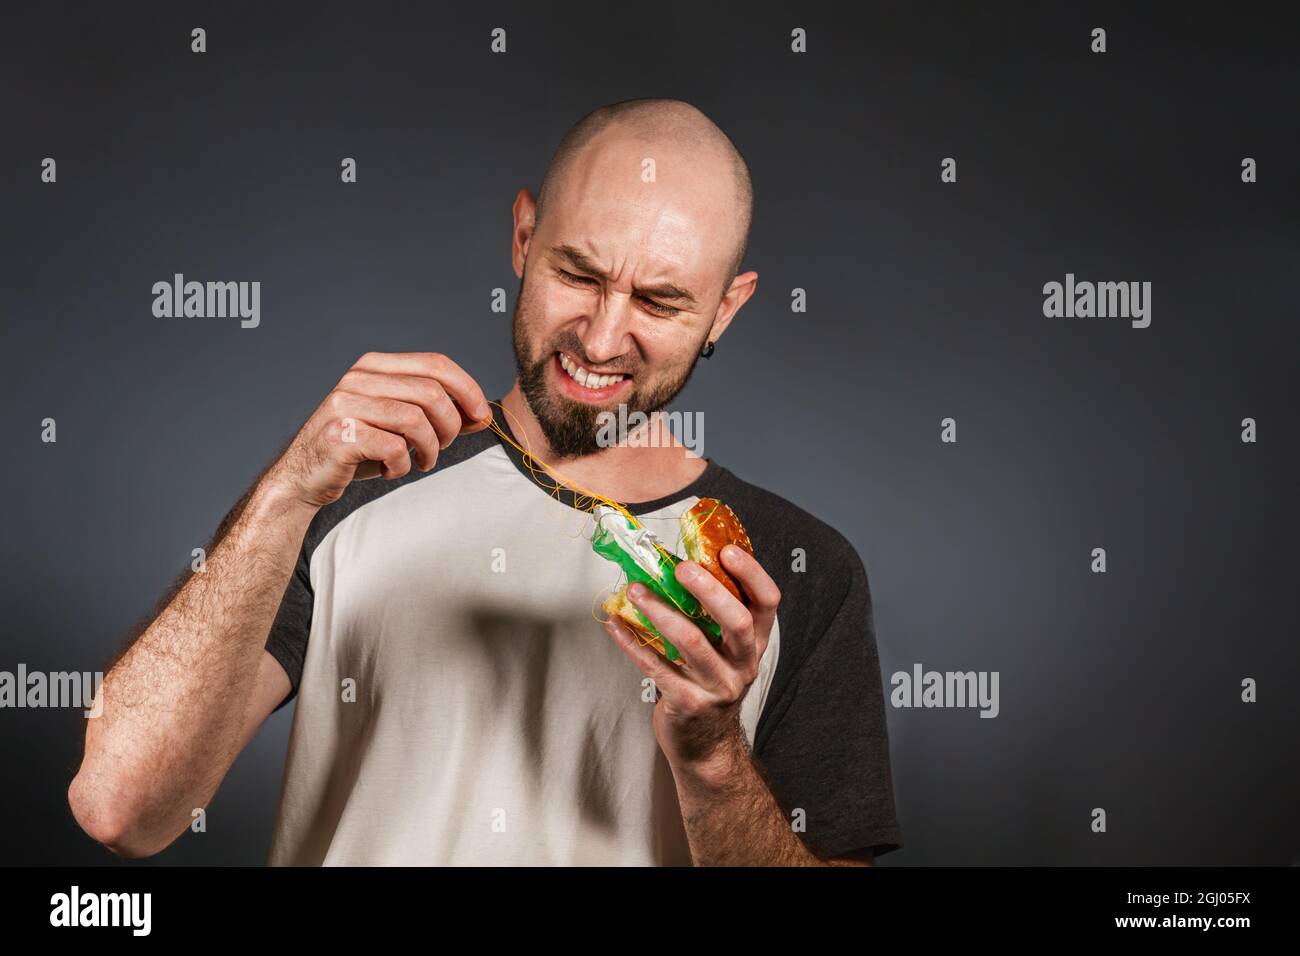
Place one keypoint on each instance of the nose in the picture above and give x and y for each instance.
(606, 334)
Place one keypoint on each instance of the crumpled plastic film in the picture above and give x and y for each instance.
(635, 549)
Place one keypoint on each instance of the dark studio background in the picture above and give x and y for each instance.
(1119, 690)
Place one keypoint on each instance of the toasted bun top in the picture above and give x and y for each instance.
(707, 528)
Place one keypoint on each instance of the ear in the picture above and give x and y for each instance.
(525, 210)
(737, 294)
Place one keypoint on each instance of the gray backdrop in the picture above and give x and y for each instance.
(1118, 690)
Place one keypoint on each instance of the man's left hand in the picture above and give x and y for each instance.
(697, 717)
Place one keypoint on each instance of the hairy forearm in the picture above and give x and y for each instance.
(731, 817)
(174, 704)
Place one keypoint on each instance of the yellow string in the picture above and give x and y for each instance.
(583, 499)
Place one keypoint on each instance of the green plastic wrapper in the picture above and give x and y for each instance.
(635, 549)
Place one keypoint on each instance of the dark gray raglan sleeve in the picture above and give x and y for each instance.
(287, 640)
(825, 746)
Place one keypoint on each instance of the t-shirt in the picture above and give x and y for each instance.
(459, 703)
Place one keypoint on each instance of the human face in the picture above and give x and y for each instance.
(620, 288)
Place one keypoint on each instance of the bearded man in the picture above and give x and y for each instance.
(408, 572)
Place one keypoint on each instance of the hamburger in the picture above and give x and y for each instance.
(706, 528)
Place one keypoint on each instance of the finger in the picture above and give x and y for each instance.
(734, 618)
(667, 677)
(706, 665)
(764, 596)
(427, 393)
(391, 415)
(462, 388)
(469, 428)
(373, 450)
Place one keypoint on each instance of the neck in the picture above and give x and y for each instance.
(631, 472)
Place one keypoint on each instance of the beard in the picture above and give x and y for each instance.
(572, 428)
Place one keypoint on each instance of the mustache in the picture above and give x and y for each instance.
(574, 347)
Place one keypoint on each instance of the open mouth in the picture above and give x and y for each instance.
(585, 384)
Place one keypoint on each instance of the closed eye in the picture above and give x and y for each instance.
(656, 308)
(570, 277)
(659, 309)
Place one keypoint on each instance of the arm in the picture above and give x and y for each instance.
(186, 697)
(179, 705)
(728, 798)
(732, 819)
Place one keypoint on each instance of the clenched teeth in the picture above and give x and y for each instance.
(583, 377)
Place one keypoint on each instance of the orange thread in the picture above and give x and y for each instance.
(583, 499)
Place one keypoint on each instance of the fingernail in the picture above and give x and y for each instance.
(637, 591)
(483, 411)
(687, 572)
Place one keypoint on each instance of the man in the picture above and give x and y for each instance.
(456, 701)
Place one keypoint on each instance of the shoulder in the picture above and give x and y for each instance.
(821, 577)
(361, 493)
(790, 542)
(828, 668)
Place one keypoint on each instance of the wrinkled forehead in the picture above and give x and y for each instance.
(648, 211)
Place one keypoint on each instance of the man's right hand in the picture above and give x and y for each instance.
(386, 406)
(190, 692)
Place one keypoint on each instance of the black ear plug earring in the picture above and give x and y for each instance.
(707, 352)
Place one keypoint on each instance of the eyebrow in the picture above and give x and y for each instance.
(664, 290)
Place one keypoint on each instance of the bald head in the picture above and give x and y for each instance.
(664, 126)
